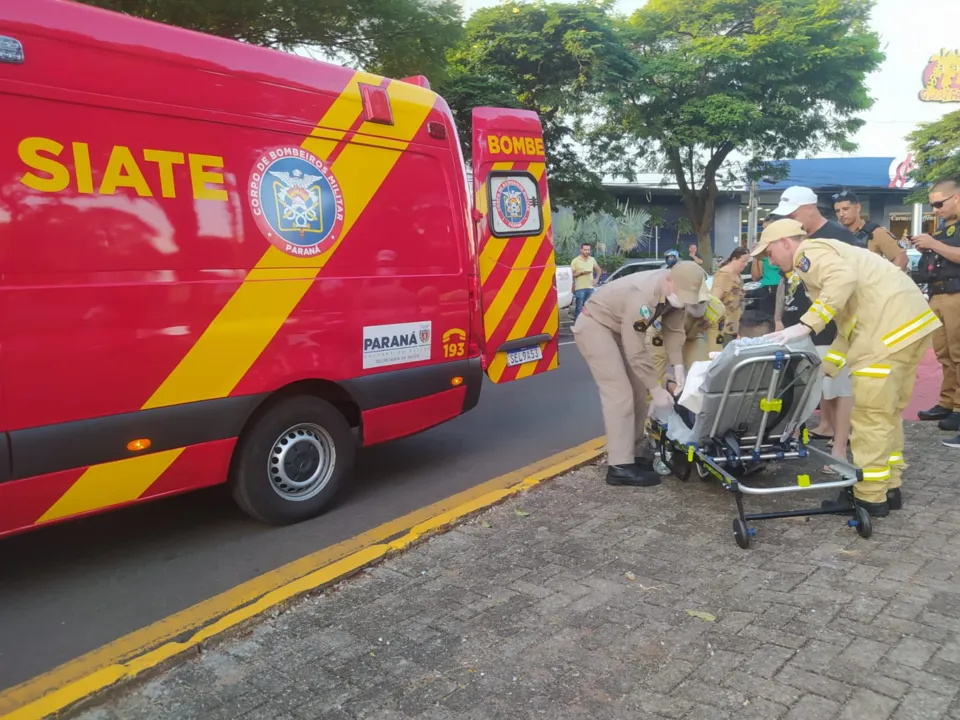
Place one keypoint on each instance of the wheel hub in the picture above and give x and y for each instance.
(301, 462)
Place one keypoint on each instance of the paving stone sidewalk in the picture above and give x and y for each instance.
(574, 601)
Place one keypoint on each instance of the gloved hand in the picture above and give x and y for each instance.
(660, 399)
(794, 332)
(680, 375)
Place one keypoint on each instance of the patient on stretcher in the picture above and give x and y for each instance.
(753, 324)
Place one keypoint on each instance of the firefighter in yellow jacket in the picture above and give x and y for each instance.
(703, 327)
(884, 327)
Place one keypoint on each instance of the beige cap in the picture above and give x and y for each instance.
(777, 231)
(689, 282)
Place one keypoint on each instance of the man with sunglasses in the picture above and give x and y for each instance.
(939, 268)
(877, 238)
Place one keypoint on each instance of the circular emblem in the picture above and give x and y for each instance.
(512, 204)
(951, 230)
(804, 264)
(296, 201)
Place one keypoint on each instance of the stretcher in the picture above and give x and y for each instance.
(751, 408)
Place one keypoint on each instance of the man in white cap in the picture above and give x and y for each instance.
(883, 329)
(610, 334)
(836, 404)
(800, 203)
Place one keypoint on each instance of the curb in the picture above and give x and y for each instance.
(163, 642)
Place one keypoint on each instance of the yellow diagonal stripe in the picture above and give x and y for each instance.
(506, 294)
(494, 246)
(521, 328)
(261, 305)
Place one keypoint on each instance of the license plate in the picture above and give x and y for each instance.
(519, 357)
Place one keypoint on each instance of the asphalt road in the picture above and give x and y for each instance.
(69, 589)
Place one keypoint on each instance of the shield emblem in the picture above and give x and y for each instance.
(424, 335)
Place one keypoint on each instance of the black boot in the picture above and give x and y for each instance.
(950, 423)
(631, 475)
(894, 500)
(643, 463)
(937, 412)
(841, 505)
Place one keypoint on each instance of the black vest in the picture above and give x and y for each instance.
(940, 274)
(865, 234)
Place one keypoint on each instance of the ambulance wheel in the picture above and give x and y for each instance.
(291, 461)
(740, 533)
(864, 524)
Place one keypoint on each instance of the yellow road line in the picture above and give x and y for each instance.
(144, 649)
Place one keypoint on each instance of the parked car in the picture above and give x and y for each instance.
(564, 286)
(635, 265)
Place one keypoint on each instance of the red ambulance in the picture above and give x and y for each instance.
(223, 263)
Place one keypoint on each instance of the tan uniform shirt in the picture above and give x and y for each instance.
(709, 327)
(877, 308)
(628, 306)
(885, 244)
(728, 288)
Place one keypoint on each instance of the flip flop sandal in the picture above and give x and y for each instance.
(827, 470)
(818, 436)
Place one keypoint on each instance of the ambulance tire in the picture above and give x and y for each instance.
(291, 461)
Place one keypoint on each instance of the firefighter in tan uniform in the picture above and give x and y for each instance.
(703, 330)
(610, 334)
(884, 327)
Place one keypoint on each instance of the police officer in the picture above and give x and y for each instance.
(703, 332)
(883, 328)
(939, 268)
(610, 334)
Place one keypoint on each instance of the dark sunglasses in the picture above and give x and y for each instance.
(938, 204)
(844, 195)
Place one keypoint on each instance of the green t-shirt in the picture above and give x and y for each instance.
(771, 274)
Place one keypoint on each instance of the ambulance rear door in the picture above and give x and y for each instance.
(515, 245)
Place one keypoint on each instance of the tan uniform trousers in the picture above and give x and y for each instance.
(881, 392)
(623, 397)
(946, 343)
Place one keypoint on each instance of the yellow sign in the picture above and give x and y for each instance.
(454, 341)
(506, 145)
(941, 78)
(123, 170)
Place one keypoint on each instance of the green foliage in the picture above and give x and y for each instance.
(555, 58)
(623, 234)
(763, 78)
(392, 37)
(565, 232)
(936, 149)
(633, 229)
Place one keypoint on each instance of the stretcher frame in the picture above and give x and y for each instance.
(730, 455)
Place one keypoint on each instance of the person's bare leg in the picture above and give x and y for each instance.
(827, 426)
(843, 409)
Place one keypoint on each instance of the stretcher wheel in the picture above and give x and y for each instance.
(740, 533)
(660, 467)
(864, 524)
(681, 466)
